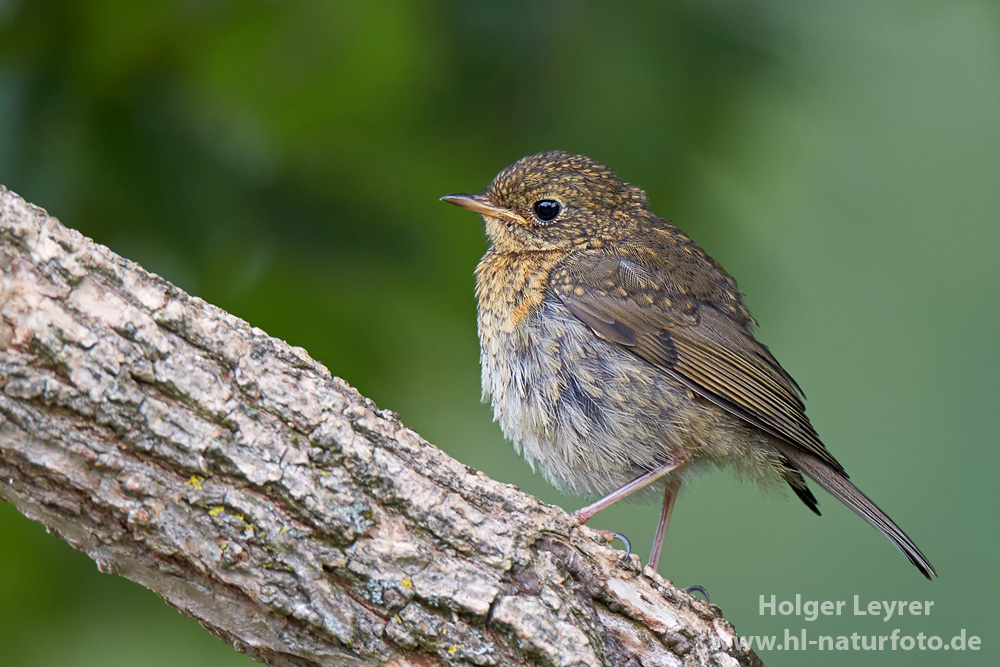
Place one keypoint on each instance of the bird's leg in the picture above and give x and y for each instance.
(669, 496)
(586, 514)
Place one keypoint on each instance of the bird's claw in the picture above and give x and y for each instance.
(700, 589)
(628, 545)
(610, 536)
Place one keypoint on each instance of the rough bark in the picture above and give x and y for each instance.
(231, 474)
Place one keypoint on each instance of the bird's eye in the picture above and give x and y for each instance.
(546, 210)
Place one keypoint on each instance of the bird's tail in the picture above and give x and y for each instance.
(843, 490)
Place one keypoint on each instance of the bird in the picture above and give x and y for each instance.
(619, 358)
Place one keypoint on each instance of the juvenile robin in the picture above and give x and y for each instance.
(619, 357)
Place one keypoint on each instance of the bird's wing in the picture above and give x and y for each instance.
(643, 308)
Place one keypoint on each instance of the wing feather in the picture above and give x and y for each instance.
(713, 354)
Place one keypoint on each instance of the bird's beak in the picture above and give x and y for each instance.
(477, 203)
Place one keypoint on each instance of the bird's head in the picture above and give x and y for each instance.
(556, 200)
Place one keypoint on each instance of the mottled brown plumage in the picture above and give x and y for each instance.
(618, 356)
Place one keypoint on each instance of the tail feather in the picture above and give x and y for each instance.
(843, 490)
(795, 480)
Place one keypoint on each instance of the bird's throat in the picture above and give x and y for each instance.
(511, 286)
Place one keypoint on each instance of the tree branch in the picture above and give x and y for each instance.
(231, 474)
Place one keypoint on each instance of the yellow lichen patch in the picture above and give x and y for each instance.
(407, 584)
(453, 648)
(196, 482)
(216, 511)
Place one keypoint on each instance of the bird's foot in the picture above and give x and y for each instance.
(610, 536)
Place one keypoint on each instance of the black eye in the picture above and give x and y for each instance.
(547, 209)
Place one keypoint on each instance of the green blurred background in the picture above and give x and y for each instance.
(283, 160)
